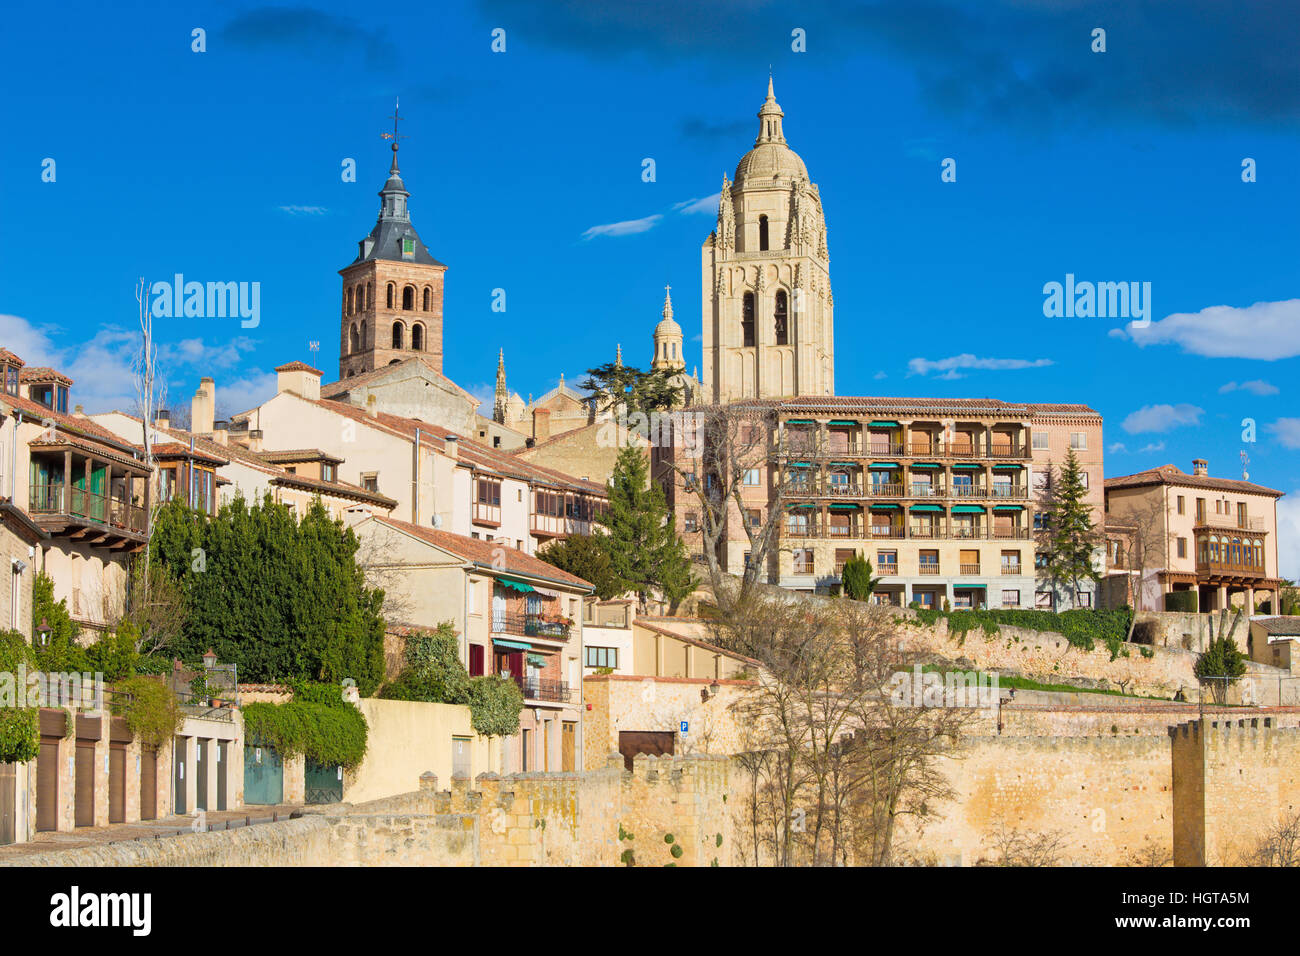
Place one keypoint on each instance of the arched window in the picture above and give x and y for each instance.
(762, 234)
(361, 298)
(365, 341)
(747, 319)
(426, 298)
(350, 373)
(417, 337)
(356, 342)
(397, 335)
(390, 295)
(782, 325)
(408, 298)
(347, 308)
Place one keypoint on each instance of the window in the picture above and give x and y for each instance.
(329, 472)
(886, 562)
(1200, 509)
(1010, 562)
(1182, 547)
(1040, 561)
(762, 233)
(408, 298)
(928, 562)
(747, 320)
(1040, 521)
(1079, 441)
(752, 477)
(1010, 598)
(600, 656)
(1083, 599)
(781, 316)
(803, 560)
(370, 481)
(1182, 505)
(1040, 441)
(390, 295)
(167, 484)
(408, 249)
(489, 493)
(927, 599)
(755, 518)
(417, 337)
(1043, 600)
(426, 298)
(1083, 478)
(397, 335)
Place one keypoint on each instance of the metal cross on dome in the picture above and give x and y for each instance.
(394, 135)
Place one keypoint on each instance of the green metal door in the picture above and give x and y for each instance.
(263, 776)
(324, 783)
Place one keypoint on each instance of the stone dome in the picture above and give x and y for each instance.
(667, 326)
(770, 158)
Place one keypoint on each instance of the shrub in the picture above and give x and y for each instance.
(495, 704)
(1181, 601)
(19, 734)
(858, 582)
(328, 734)
(150, 709)
(1220, 664)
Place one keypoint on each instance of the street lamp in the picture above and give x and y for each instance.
(43, 633)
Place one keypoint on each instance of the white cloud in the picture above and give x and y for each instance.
(1265, 330)
(1118, 448)
(708, 205)
(1152, 448)
(25, 340)
(196, 353)
(879, 375)
(628, 227)
(951, 365)
(1287, 431)
(1161, 418)
(246, 392)
(1288, 536)
(304, 210)
(1255, 387)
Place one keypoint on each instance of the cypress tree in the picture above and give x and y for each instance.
(644, 548)
(1073, 536)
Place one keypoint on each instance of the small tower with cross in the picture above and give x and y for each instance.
(392, 290)
(668, 338)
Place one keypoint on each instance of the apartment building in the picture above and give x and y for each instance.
(86, 489)
(938, 494)
(515, 616)
(1171, 531)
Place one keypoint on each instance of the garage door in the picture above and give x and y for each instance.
(653, 742)
(8, 803)
(85, 788)
(148, 784)
(117, 782)
(47, 785)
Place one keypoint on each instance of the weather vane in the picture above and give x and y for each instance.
(394, 135)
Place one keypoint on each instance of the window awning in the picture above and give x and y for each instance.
(800, 421)
(967, 587)
(925, 464)
(844, 464)
(967, 509)
(802, 507)
(842, 421)
(800, 464)
(926, 508)
(1008, 508)
(521, 586)
(845, 507)
(972, 467)
(512, 645)
(885, 464)
(1005, 467)
(886, 507)
(884, 425)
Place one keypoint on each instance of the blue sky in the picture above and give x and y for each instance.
(1117, 166)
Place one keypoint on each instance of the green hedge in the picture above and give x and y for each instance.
(1181, 601)
(1082, 627)
(327, 734)
(19, 736)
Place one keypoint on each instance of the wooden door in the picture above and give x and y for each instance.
(653, 742)
(201, 757)
(179, 746)
(148, 784)
(8, 803)
(568, 748)
(85, 784)
(117, 783)
(222, 771)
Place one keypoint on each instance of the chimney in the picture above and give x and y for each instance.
(221, 432)
(79, 410)
(255, 439)
(372, 406)
(300, 379)
(1200, 467)
(163, 419)
(541, 424)
(451, 446)
(203, 407)
(356, 514)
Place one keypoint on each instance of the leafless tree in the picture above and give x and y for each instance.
(156, 608)
(1012, 846)
(1142, 526)
(1280, 846)
(718, 447)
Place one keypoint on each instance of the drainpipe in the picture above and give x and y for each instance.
(415, 491)
(13, 459)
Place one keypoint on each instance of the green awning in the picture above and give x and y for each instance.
(1004, 467)
(844, 464)
(925, 508)
(967, 509)
(1008, 508)
(839, 421)
(975, 467)
(885, 464)
(845, 507)
(521, 586)
(801, 507)
(536, 660)
(884, 425)
(800, 421)
(966, 587)
(885, 507)
(925, 464)
(513, 645)
(800, 464)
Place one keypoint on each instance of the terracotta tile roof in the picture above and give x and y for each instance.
(340, 488)
(291, 455)
(175, 449)
(479, 456)
(79, 424)
(1173, 475)
(40, 374)
(345, 385)
(296, 366)
(7, 356)
(489, 555)
(1288, 626)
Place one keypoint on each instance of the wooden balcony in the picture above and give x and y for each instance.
(555, 527)
(487, 514)
(87, 517)
(1229, 569)
(1230, 523)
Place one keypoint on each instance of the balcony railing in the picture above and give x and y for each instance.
(915, 533)
(887, 568)
(487, 514)
(529, 625)
(1010, 569)
(49, 498)
(553, 525)
(1230, 522)
(970, 569)
(928, 568)
(539, 688)
(1228, 567)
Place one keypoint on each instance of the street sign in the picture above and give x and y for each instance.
(685, 726)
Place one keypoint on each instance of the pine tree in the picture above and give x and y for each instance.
(644, 548)
(1072, 535)
(857, 580)
(587, 556)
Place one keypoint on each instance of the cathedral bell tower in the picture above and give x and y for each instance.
(392, 291)
(767, 305)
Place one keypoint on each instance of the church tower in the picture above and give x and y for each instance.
(502, 398)
(392, 291)
(767, 305)
(668, 338)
